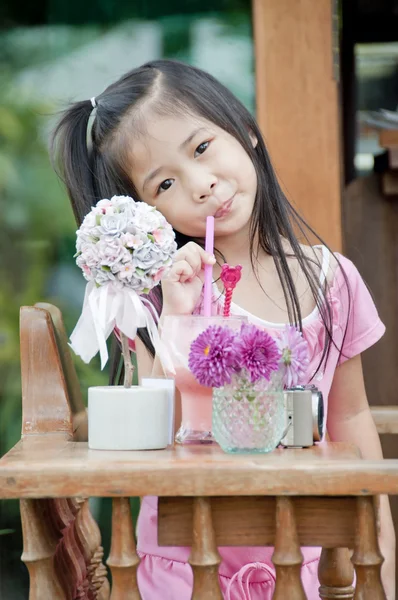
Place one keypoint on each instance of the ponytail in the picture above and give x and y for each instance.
(71, 158)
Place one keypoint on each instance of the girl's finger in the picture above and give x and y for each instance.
(181, 271)
(190, 257)
(195, 255)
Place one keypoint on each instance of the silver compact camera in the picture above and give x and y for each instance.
(304, 416)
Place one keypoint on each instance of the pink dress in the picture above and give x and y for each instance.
(248, 573)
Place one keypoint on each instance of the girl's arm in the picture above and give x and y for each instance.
(350, 420)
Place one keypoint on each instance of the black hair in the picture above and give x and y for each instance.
(96, 166)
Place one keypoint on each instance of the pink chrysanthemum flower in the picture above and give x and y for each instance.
(258, 352)
(294, 356)
(213, 357)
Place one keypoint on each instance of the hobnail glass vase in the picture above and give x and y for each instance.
(178, 333)
(248, 417)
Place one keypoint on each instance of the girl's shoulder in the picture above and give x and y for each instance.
(349, 294)
(336, 270)
(343, 285)
(356, 324)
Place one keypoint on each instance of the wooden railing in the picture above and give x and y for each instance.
(386, 419)
(287, 499)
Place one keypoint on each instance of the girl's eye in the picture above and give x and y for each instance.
(165, 185)
(202, 148)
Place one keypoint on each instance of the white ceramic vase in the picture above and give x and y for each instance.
(134, 418)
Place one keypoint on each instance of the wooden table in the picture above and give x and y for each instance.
(321, 496)
(72, 469)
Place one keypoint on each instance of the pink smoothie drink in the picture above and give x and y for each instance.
(197, 401)
(178, 333)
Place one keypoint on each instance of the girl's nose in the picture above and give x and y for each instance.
(203, 187)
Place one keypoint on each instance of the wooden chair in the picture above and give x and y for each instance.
(209, 499)
(62, 542)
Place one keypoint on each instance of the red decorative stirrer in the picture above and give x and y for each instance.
(230, 277)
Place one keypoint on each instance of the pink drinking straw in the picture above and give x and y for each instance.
(209, 247)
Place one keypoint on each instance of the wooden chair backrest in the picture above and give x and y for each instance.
(51, 397)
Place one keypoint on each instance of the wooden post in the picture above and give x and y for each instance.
(123, 559)
(287, 556)
(39, 545)
(336, 574)
(296, 61)
(204, 558)
(367, 558)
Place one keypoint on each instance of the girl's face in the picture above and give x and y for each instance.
(188, 168)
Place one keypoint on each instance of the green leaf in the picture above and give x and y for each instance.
(150, 236)
(105, 268)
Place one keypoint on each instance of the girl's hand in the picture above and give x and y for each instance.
(184, 281)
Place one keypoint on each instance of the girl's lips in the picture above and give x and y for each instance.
(225, 209)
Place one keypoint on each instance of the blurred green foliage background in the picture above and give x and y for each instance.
(51, 53)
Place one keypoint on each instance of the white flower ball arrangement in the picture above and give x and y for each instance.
(126, 242)
(123, 248)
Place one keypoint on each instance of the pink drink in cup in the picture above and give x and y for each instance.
(178, 333)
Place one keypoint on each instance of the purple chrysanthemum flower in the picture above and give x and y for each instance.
(213, 357)
(258, 352)
(294, 356)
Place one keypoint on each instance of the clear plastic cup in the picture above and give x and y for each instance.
(178, 333)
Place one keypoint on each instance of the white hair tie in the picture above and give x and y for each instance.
(93, 102)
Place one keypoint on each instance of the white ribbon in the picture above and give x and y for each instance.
(104, 308)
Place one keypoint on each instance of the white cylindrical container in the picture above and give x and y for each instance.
(134, 418)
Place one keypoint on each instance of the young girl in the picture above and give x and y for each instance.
(172, 136)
